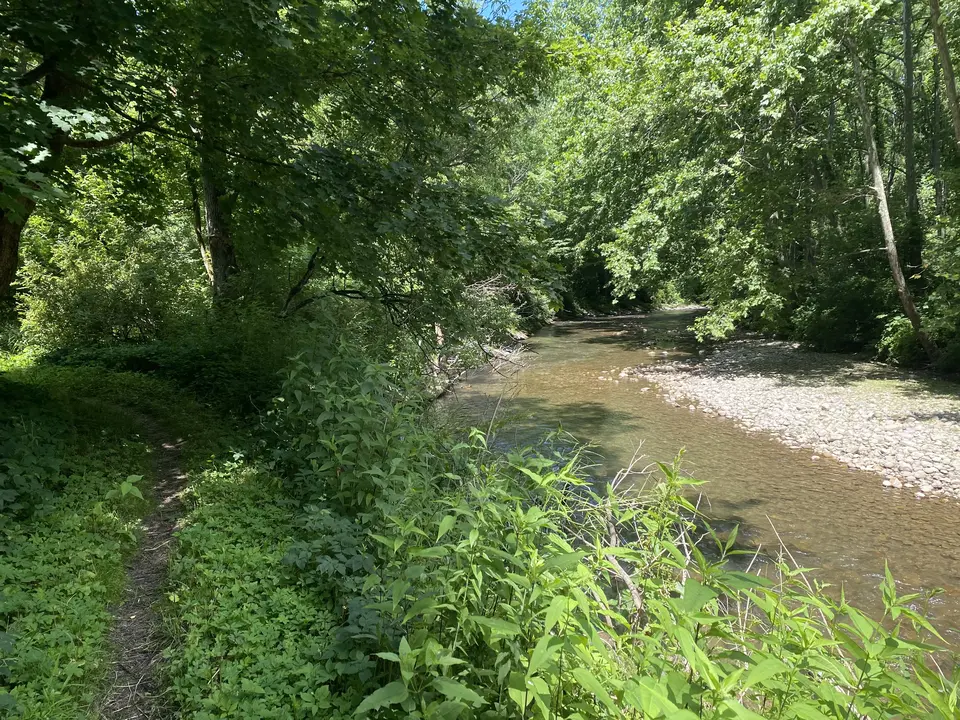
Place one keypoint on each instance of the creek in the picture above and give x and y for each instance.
(841, 522)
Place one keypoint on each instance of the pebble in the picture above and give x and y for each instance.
(831, 404)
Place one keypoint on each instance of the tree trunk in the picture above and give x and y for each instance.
(938, 189)
(876, 173)
(199, 228)
(949, 80)
(913, 242)
(222, 258)
(11, 228)
(57, 90)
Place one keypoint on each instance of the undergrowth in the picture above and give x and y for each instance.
(70, 501)
(451, 580)
(75, 467)
(354, 560)
(246, 634)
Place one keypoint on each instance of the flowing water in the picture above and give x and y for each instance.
(840, 521)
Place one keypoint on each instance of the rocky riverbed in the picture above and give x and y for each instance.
(904, 427)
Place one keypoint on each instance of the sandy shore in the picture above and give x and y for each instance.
(904, 427)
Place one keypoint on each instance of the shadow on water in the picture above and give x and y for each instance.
(814, 369)
(838, 520)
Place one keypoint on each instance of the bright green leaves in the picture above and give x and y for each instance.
(454, 690)
(391, 694)
(695, 596)
(127, 487)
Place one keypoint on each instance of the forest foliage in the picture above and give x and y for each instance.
(716, 152)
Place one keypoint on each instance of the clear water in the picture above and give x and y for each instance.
(840, 521)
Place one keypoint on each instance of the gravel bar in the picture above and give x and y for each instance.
(904, 427)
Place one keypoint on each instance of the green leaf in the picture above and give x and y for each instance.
(806, 711)
(695, 595)
(740, 711)
(248, 686)
(502, 627)
(395, 692)
(739, 580)
(558, 606)
(457, 691)
(764, 670)
(589, 682)
(564, 562)
(546, 649)
(446, 525)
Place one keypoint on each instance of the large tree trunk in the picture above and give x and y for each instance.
(221, 255)
(57, 90)
(949, 80)
(11, 228)
(913, 242)
(876, 173)
(938, 188)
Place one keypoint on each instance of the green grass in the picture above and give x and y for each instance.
(248, 636)
(63, 542)
(68, 437)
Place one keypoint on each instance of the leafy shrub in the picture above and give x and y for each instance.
(96, 295)
(93, 276)
(899, 343)
(475, 584)
(349, 432)
(845, 314)
(949, 360)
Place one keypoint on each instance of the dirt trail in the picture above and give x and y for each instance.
(134, 689)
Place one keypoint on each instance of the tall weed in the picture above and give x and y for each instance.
(474, 583)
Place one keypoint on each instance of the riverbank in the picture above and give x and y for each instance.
(902, 426)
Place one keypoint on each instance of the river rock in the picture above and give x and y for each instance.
(832, 404)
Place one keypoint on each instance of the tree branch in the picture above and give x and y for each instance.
(91, 144)
(38, 73)
(301, 283)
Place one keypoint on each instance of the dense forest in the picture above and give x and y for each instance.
(244, 246)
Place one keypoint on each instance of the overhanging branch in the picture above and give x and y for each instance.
(92, 144)
(38, 73)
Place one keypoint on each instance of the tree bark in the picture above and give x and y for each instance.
(949, 79)
(11, 228)
(199, 227)
(876, 173)
(57, 89)
(938, 188)
(913, 242)
(222, 257)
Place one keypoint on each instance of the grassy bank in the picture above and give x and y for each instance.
(350, 559)
(71, 472)
(405, 573)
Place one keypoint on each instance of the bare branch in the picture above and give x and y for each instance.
(301, 283)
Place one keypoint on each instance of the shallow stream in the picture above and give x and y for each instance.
(840, 521)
